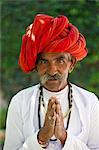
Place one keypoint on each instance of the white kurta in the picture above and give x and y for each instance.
(22, 121)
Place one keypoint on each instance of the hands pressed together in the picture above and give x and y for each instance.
(54, 123)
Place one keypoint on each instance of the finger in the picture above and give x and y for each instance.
(52, 111)
(52, 120)
(61, 115)
(57, 102)
(51, 102)
(58, 108)
(58, 119)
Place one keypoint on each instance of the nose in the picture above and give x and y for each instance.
(52, 69)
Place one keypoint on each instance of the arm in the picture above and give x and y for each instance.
(14, 130)
(74, 143)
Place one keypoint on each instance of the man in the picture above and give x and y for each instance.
(55, 114)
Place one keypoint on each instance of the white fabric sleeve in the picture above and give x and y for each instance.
(73, 143)
(14, 130)
(31, 143)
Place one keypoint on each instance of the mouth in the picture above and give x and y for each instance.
(52, 80)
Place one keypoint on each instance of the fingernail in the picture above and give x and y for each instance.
(57, 115)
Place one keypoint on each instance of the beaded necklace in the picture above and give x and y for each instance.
(41, 101)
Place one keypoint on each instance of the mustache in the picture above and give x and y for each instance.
(46, 77)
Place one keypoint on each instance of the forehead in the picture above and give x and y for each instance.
(53, 55)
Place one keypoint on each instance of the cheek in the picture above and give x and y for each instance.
(68, 66)
(41, 70)
(65, 69)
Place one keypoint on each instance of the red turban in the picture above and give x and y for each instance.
(48, 34)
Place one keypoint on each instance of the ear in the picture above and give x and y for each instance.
(73, 62)
(36, 68)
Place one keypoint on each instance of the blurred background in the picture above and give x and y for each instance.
(16, 16)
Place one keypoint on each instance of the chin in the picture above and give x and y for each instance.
(52, 86)
(52, 89)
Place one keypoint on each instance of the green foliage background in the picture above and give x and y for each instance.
(17, 15)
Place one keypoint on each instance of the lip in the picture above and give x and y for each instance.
(52, 80)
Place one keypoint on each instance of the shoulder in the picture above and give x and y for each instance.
(24, 96)
(27, 91)
(85, 96)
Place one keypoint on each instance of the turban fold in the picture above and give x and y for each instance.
(49, 34)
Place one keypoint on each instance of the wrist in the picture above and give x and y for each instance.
(43, 144)
(41, 137)
(63, 137)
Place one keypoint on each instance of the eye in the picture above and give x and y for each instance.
(43, 61)
(60, 61)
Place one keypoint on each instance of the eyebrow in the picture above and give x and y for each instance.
(59, 57)
(43, 59)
